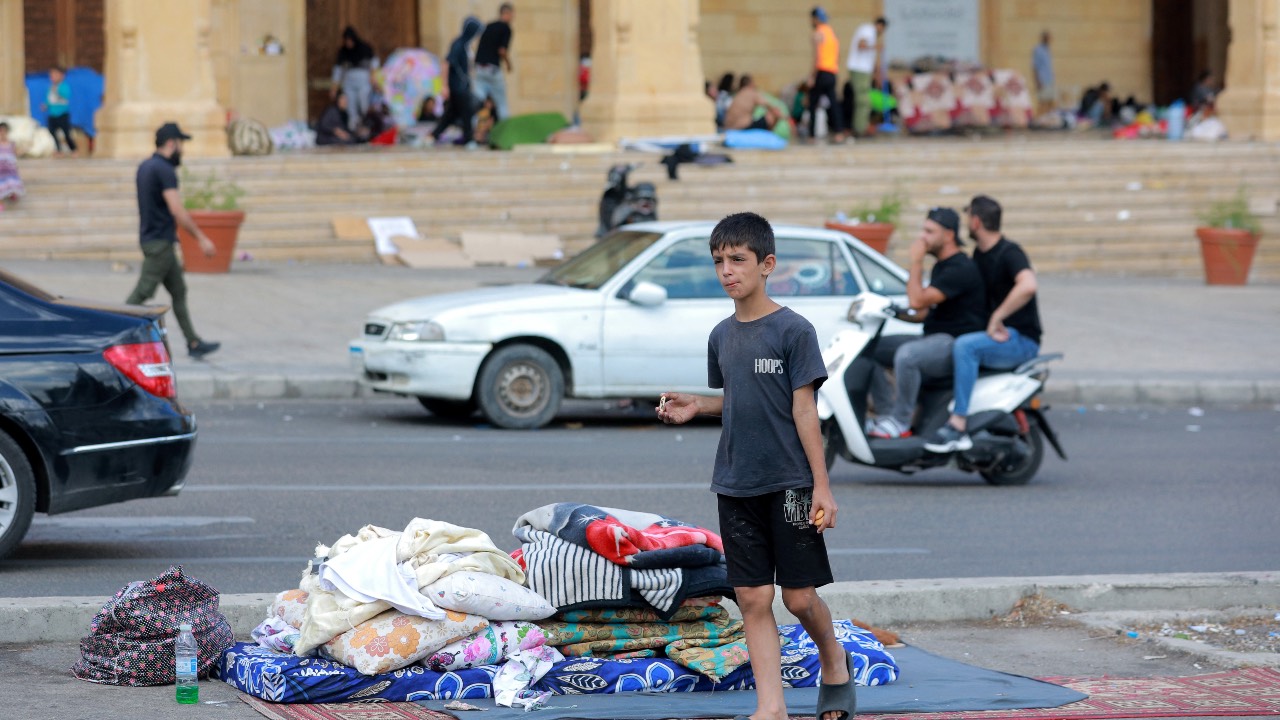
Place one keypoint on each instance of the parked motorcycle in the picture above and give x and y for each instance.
(621, 204)
(1006, 416)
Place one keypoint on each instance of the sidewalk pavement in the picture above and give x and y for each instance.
(964, 619)
(285, 329)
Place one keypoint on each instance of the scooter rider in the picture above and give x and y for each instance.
(1012, 336)
(953, 304)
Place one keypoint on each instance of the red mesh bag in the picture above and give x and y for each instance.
(131, 639)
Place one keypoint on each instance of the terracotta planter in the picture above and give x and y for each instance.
(1227, 253)
(874, 234)
(223, 228)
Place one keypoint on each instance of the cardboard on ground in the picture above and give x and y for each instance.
(352, 227)
(431, 253)
(495, 248)
(387, 229)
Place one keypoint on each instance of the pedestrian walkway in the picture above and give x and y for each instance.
(285, 329)
(1063, 627)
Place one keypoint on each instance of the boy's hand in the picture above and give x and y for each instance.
(677, 408)
(822, 512)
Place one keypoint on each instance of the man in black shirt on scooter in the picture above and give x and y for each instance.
(953, 304)
(1012, 333)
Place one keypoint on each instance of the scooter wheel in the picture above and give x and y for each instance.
(832, 442)
(1022, 472)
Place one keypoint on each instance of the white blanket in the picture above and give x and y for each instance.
(429, 549)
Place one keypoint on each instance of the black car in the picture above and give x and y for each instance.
(89, 413)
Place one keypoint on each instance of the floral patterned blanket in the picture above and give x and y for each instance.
(286, 678)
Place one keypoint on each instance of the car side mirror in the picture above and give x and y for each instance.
(647, 294)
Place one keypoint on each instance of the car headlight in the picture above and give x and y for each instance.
(426, 331)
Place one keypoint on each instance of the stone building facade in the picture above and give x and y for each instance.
(198, 60)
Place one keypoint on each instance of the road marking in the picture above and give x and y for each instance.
(471, 487)
(878, 551)
(116, 523)
(184, 561)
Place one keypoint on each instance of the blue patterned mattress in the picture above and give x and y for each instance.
(284, 678)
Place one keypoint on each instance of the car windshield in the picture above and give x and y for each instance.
(594, 266)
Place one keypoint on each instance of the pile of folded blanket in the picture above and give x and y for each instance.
(595, 600)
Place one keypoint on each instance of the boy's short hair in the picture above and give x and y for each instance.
(745, 229)
(4, 125)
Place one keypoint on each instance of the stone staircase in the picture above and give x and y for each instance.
(1078, 203)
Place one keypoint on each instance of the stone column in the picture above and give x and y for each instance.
(159, 68)
(13, 89)
(646, 71)
(1250, 104)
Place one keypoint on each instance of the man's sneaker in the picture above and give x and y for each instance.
(948, 439)
(201, 348)
(889, 429)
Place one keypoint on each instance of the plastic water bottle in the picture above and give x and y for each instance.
(1176, 119)
(186, 658)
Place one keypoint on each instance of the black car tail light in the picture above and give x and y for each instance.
(147, 364)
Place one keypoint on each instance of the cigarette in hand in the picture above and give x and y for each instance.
(817, 519)
(662, 403)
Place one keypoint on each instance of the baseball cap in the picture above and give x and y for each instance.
(948, 219)
(819, 13)
(170, 131)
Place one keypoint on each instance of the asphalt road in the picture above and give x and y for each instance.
(1145, 490)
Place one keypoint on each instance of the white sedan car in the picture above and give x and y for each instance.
(627, 318)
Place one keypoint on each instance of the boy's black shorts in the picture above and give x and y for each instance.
(768, 540)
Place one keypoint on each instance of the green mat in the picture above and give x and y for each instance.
(533, 128)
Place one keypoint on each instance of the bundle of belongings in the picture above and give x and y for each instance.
(596, 600)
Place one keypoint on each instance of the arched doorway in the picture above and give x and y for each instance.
(1187, 38)
(386, 25)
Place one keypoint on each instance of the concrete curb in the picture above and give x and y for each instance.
(883, 602)
(279, 385)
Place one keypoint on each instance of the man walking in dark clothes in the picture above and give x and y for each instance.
(160, 210)
(492, 55)
(459, 105)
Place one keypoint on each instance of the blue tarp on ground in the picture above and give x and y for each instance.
(86, 97)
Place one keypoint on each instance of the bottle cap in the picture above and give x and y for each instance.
(185, 626)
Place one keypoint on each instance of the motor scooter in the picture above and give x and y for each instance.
(1006, 418)
(621, 204)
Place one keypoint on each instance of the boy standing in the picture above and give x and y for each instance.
(58, 105)
(770, 474)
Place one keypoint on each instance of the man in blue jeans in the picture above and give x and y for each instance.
(1013, 329)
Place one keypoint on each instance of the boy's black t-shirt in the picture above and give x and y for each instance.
(965, 307)
(497, 34)
(999, 268)
(155, 175)
(760, 364)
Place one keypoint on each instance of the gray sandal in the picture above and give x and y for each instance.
(841, 698)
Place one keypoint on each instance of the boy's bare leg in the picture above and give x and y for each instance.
(756, 604)
(814, 615)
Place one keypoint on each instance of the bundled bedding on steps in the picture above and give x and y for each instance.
(286, 678)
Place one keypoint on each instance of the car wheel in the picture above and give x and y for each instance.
(521, 387)
(17, 494)
(1021, 473)
(448, 409)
